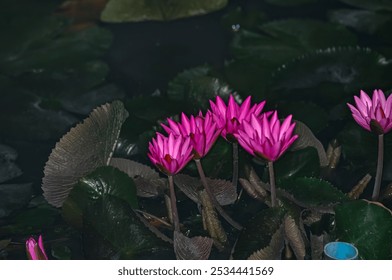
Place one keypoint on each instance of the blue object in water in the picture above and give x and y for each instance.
(340, 251)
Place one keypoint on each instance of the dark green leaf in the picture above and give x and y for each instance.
(112, 230)
(141, 10)
(295, 164)
(8, 169)
(312, 192)
(377, 5)
(258, 233)
(368, 226)
(104, 181)
(197, 86)
(361, 20)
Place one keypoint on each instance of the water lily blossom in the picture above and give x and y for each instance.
(266, 137)
(230, 117)
(202, 131)
(373, 114)
(170, 154)
(35, 250)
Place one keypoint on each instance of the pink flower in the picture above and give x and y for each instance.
(266, 137)
(202, 131)
(229, 118)
(170, 154)
(373, 114)
(35, 251)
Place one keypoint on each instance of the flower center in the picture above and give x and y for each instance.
(234, 121)
(168, 158)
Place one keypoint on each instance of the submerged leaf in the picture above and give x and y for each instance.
(195, 248)
(85, 147)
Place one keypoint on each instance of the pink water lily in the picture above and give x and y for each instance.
(373, 114)
(230, 117)
(265, 136)
(202, 131)
(170, 154)
(35, 250)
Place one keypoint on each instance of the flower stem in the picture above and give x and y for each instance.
(173, 203)
(272, 183)
(380, 162)
(235, 165)
(215, 203)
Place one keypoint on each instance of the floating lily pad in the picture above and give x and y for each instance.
(197, 86)
(312, 193)
(377, 5)
(142, 10)
(368, 225)
(361, 20)
(264, 231)
(113, 230)
(328, 77)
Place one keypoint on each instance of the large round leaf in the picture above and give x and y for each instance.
(368, 225)
(312, 193)
(84, 148)
(113, 230)
(263, 232)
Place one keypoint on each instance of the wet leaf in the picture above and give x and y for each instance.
(377, 5)
(263, 230)
(330, 76)
(312, 193)
(84, 148)
(304, 162)
(361, 20)
(197, 86)
(142, 10)
(273, 251)
(367, 225)
(113, 230)
(195, 248)
(307, 139)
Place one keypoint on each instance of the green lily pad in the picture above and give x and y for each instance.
(142, 10)
(368, 226)
(287, 39)
(377, 5)
(197, 86)
(104, 181)
(259, 232)
(311, 192)
(328, 77)
(361, 20)
(63, 52)
(297, 164)
(112, 230)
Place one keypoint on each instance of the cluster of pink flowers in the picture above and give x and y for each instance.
(260, 134)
